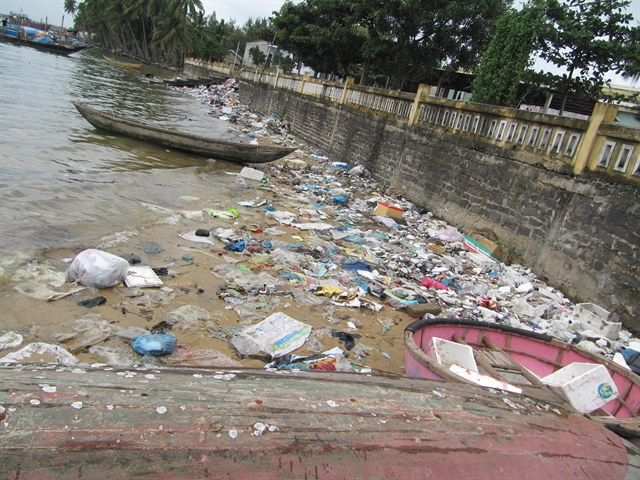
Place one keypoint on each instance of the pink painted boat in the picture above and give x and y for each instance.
(186, 423)
(501, 352)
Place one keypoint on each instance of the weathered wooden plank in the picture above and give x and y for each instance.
(327, 425)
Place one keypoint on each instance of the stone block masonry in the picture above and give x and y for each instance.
(580, 234)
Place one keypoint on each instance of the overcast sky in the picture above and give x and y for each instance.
(238, 10)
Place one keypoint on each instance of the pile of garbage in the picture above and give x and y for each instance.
(357, 246)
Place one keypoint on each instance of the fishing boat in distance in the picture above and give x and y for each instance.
(194, 422)
(14, 34)
(529, 363)
(122, 63)
(206, 146)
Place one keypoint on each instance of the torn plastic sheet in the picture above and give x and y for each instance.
(44, 284)
(192, 237)
(37, 352)
(276, 335)
(252, 203)
(229, 214)
(313, 226)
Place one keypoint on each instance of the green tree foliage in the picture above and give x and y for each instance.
(258, 57)
(589, 39)
(162, 30)
(404, 39)
(505, 61)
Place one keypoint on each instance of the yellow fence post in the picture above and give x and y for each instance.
(304, 80)
(602, 113)
(423, 92)
(349, 81)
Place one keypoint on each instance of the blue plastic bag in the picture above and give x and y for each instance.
(236, 247)
(154, 344)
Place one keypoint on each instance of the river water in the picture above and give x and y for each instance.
(65, 184)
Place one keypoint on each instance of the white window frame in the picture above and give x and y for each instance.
(511, 132)
(434, 112)
(636, 170)
(467, 123)
(556, 146)
(522, 134)
(501, 128)
(572, 144)
(606, 154)
(492, 128)
(533, 136)
(425, 114)
(436, 121)
(476, 124)
(544, 141)
(460, 122)
(445, 118)
(454, 115)
(628, 150)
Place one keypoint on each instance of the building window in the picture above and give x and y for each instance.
(511, 133)
(533, 137)
(623, 158)
(557, 141)
(544, 141)
(467, 123)
(460, 121)
(605, 155)
(501, 129)
(492, 128)
(476, 122)
(454, 115)
(572, 144)
(445, 118)
(437, 119)
(522, 134)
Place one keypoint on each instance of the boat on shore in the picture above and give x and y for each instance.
(206, 146)
(122, 63)
(193, 422)
(14, 35)
(522, 360)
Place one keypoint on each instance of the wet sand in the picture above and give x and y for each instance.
(193, 283)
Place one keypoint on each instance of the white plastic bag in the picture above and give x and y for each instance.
(95, 268)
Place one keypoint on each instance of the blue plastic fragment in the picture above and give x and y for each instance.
(236, 247)
(154, 344)
(339, 199)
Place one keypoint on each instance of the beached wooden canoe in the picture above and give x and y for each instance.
(502, 352)
(122, 63)
(206, 146)
(191, 422)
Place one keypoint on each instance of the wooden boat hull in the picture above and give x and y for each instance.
(324, 425)
(120, 63)
(541, 354)
(233, 152)
(60, 49)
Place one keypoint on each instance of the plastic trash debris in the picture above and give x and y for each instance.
(93, 302)
(143, 277)
(39, 282)
(431, 283)
(41, 352)
(154, 344)
(95, 268)
(132, 258)
(252, 174)
(230, 214)
(10, 340)
(201, 232)
(276, 335)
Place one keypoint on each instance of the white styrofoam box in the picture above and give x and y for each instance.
(481, 260)
(587, 386)
(596, 318)
(252, 174)
(448, 353)
(512, 277)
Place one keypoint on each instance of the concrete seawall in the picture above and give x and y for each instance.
(580, 234)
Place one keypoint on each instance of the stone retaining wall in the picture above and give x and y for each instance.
(580, 234)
